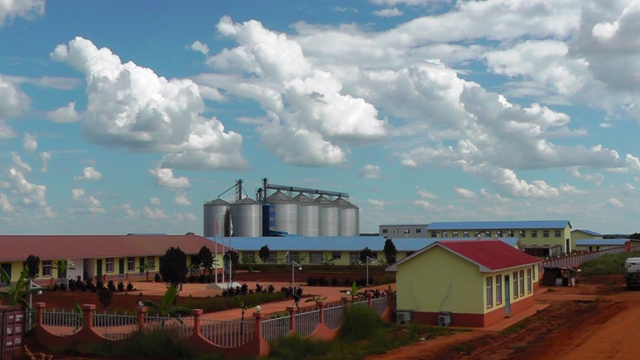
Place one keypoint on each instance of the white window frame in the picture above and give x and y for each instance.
(47, 268)
(515, 284)
(529, 281)
(336, 255)
(521, 282)
(489, 284)
(454, 234)
(109, 265)
(498, 289)
(315, 257)
(523, 233)
(131, 264)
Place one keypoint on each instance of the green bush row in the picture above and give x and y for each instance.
(607, 264)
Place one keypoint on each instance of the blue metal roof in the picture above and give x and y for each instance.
(499, 225)
(592, 233)
(335, 243)
(588, 242)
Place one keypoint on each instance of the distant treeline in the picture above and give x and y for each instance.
(622, 236)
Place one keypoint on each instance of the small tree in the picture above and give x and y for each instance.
(206, 259)
(173, 267)
(167, 306)
(364, 253)
(233, 256)
(390, 251)
(16, 293)
(33, 263)
(265, 254)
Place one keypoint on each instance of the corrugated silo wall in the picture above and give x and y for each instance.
(309, 220)
(348, 221)
(247, 219)
(211, 213)
(329, 221)
(287, 217)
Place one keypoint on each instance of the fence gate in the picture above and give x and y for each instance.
(12, 322)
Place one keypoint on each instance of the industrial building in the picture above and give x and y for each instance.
(279, 209)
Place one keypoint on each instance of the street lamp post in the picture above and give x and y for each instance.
(32, 286)
(293, 272)
(372, 261)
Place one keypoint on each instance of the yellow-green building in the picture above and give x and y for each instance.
(110, 256)
(538, 237)
(465, 283)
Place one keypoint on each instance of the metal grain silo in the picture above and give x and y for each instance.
(214, 211)
(286, 212)
(349, 216)
(329, 220)
(308, 216)
(246, 215)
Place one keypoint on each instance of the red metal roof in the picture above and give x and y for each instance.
(492, 254)
(55, 247)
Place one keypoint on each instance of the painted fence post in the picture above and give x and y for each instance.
(257, 325)
(346, 300)
(369, 299)
(388, 292)
(292, 322)
(40, 320)
(142, 311)
(320, 305)
(87, 322)
(196, 313)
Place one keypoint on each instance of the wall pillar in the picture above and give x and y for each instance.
(346, 300)
(292, 321)
(320, 305)
(40, 319)
(196, 313)
(369, 296)
(87, 322)
(142, 311)
(257, 325)
(389, 293)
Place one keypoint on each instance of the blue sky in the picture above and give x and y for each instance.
(119, 116)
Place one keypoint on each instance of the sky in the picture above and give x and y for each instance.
(127, 116)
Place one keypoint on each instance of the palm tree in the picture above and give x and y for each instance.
(16, 293)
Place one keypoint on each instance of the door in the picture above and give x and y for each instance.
(99, 269)
(507, 296)
(121, 266)
(141, 265)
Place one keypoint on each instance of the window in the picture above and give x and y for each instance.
(521, 282)
(418, 231)
(395, 231)
(109, 265)
(511, 233)
(529, 282)
(434, 234)
(534, 233)
(476, 233)
(131, 264)
(523, 233)
(487, 233)
(445, 234)
(354, 258)
(46, 268)
(533, 271)
(465, 234)
(249, 255)
(454, 234)
(336, 255)
(407, 231)
(489, 291)
(558, 233)
(515, 284)
(151, 260)
(293, 256)
(498, 289)
(499, 233)
(315, 257)
(384, 231)
(545, 233)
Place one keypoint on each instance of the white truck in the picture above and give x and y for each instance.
(632, 272)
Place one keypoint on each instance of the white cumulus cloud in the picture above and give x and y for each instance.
(370, 172)
(165, 178)
(30, 142)
(391, 12)
(200, 47)
(131, 107)
(65, 114)
(89, 174)
(181, 199)
(10, 9)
